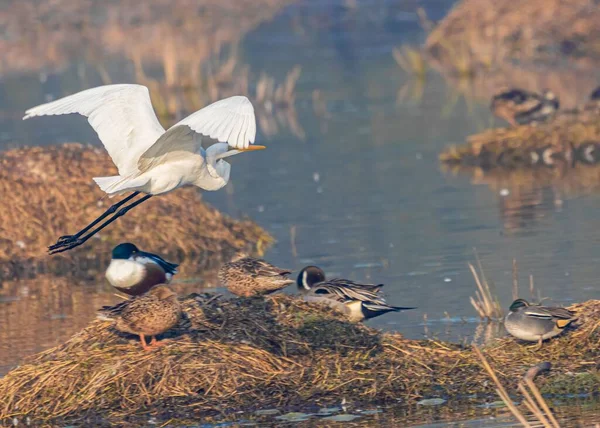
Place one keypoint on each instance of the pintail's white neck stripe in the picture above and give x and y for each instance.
(305, 280)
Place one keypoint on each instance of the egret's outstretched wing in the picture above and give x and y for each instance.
(229, 121)
(179, 142)
(122, 115)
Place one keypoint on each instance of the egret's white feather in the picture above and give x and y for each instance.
(122, 115)
(229, 121)
(117, 184)
(149, 159)
(105, 183)
(177, 143)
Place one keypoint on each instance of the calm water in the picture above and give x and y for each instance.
(355, 186)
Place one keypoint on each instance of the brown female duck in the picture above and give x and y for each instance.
(519, 107)
(151, 314)
(246, 276)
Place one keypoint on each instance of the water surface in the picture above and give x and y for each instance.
(351, 179)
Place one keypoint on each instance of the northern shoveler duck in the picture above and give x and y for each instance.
(151, 314)
(536, 323)
(519, 107)
(246, 276)
(134, 272)
(357, 301)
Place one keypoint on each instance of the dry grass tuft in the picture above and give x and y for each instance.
(411, 60)
(492, 31)
(486, 301)
(537, 407)
(51, 193)
(246, 353)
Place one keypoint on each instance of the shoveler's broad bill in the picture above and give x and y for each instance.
(151, 160)
(151, 314)
(357, 301)
(135, 272)
(536, 323)
(247, 276)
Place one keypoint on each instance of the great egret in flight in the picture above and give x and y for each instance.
(151, 160)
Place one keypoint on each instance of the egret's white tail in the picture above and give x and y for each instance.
(105, 183)
(117, 184)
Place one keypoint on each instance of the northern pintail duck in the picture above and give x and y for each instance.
(357, 301)
(519, 107)
(246, 276)
(587, 152)
(151, 314)
(536, 323)
(134, 272)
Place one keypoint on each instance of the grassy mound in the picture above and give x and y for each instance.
(513, 147)
(482, 33)
(51, 193)
(241, 354)
(483, 46)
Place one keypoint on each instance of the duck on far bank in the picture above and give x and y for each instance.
(520, 107)
(134, 272)
(151, 314)
(247, 276)
(357, 301)
(536, 323)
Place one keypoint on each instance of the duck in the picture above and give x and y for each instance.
(150, 314)
(587, 152)
(134, 272)
(595, 95)
(536, 323)
(247, 276)
(519, 107)
(357, 301)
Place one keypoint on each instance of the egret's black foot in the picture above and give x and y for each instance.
(61, 242)
(59, 247)
(66, 238)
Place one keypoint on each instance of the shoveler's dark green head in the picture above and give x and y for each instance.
(124, 251)
(518, 304)
(310, 276)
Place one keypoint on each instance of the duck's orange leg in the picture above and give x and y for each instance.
(155, 343)
(144, 344)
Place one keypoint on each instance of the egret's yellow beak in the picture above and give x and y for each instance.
(251, 148)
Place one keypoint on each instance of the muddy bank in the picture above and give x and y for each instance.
(570, 137)
(51, 193)
(244, 354)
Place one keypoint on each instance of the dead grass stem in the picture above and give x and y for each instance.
(485, 302)
(532, 398)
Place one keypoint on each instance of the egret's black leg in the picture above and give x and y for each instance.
(111, 210)
(67, 245)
